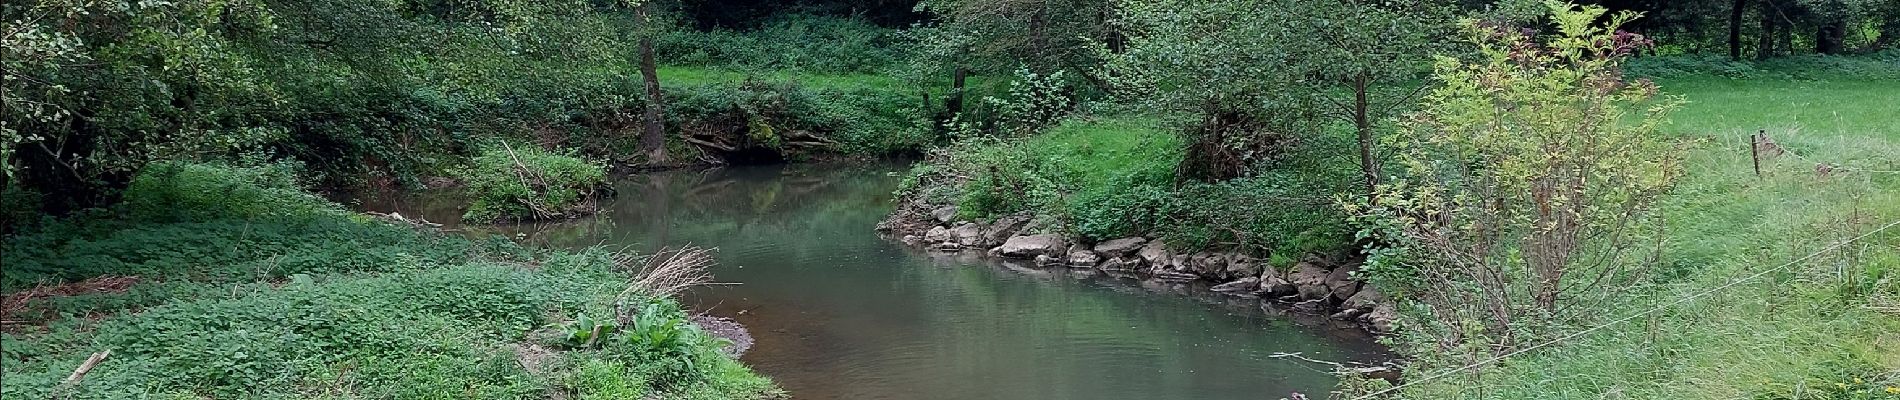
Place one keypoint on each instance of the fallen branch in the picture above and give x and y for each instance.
(91, 362)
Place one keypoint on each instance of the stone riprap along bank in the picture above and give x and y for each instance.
(1315, 285)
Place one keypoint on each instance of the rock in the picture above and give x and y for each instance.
(1347, 314)
(1115, 264)
(968, 234)
(1310, 306)
(1179, 263)
(1210, 265)
(1044, 260)
(950, 246)
(1242, 285)
(1084, 258)
(1003, 228)
(1276, 287)
(1121, 247)
(1383, 317)
(1155, 253)
(1241, 266)
(937, 234)
(1342, 282)
(944, 214)
(1310, 281)
(1366, 299)
(913, 240)
(1032, 246)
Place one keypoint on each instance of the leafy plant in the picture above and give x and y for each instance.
(1532, 178)
(529, 184)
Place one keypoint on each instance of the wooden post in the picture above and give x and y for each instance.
(1754, 150)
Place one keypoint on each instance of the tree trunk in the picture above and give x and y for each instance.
(954, 102)
(1368, 165)
(1765, 48)
(653, 132)
(1735, 29)
(1829, 36)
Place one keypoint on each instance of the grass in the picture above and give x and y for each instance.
(1823, 329)
(331, 305)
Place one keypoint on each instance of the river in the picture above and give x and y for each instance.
(839, 312)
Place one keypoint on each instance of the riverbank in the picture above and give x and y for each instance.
(252, 289)
(1098, 193)
(1315, 284)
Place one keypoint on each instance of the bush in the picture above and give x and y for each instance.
(182, 191)
(528, 183)
(1115, 177)
(762, 114)
(794, 42)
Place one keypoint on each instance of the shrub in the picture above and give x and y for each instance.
(182, 191)
(528, 183)
(795, 42)
(1532, 179)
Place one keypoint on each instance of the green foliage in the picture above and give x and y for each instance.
(1795, 334)
(177, 191)
(529, 183)
(997, 37)
(1114, 177)
(280, 309)
(863, 118)
(1035, 101)
(790, 42)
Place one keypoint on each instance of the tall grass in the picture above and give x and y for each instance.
(1818, 330)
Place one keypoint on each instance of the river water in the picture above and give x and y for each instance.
(841, 313)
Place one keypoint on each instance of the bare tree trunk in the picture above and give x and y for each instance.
(1735, 29)
(1368, 165)
(1765, 48)
(653, 132)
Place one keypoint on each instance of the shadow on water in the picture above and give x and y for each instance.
(841, 313)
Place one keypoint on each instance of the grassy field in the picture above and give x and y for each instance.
(1827, 328)
(300, 300)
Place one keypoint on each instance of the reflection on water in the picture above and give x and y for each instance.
(840, 313)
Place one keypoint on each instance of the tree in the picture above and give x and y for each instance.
(1372, 50)
(1262, 72)
(997, 37)
(1532, 175)
(652, 122)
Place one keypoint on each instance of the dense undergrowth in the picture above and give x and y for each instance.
(321, 303)
(1114, 176)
